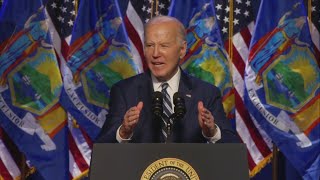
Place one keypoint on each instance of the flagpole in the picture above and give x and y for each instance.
(152, 10)
(23, 167)
(275, 162)
(309, 10)
(76, 5)
(230, 34)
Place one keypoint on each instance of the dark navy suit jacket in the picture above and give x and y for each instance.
(127, 93)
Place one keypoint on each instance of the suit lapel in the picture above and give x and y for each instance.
(185, 89)
(149, 128)
(145, 90)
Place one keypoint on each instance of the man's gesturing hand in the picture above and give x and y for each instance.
(206, 120)
(130, 121)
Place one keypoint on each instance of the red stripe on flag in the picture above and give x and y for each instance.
(21, 58)
(4, 46)
(56, 106)
(86, 137)
(64, 48)
(1, 133)
(312, 126)
(58, 60)
(251, 162)
(192, 51)
(237, 59)
(135, 38)
(4, 173)
(254, 133)
(77, 44)
(70, 176)
(58, 129)
(246, 35)
(305, 107)
(317, 54)
(77, 156)
(238, 62)
(226, 96)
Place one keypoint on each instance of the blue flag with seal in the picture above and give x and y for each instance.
(30, 86)
(282, 83)
(99, 56)
(206, 57)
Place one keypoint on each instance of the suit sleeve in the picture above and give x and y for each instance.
(228, 135)
(117, 109)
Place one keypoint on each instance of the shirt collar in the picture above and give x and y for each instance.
(173, 82)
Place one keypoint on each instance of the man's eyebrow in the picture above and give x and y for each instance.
(165, 43)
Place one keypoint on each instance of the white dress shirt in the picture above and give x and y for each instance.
(173, 85)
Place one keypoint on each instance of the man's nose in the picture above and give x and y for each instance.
(156, 51)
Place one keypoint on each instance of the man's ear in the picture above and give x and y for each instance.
(183, 49)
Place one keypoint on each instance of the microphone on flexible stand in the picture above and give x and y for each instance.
(179, 112)
(157, 110)
(156, 106)
(179, 106)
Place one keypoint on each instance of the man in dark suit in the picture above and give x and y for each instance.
(130, 117)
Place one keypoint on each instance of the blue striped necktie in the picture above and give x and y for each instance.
(167, 109)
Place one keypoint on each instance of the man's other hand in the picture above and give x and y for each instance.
(130, 121)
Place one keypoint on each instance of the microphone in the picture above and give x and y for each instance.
(179, 105)
(156, 106)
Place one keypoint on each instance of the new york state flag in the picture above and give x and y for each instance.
(206, 57)
(282, 83)
(30, 86)
(98, 57)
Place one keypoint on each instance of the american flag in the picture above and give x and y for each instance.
(8, 167)
(315, 13)
(80, 148)
(242, 16)
(315, 26)
(62, 15)
(137, 14)
(257, 141)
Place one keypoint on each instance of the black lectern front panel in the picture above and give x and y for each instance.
(158, 161)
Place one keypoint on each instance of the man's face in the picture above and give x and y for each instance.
(163, 49)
